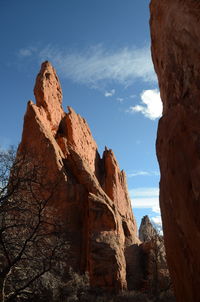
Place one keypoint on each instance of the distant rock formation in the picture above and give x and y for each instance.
(91, 195)
(156, 274)
(175, 32)
(146, 230)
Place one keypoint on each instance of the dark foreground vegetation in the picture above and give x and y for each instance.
(77, 289)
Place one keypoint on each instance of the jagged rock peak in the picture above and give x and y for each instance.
(48, 93)
(146, 230)
(91, 196)
(47, 86)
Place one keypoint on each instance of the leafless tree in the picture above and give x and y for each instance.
(31, 238)
(158, 274)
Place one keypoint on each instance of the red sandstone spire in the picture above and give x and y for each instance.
(91, 196)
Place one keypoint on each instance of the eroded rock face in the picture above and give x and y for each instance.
(156, 277)
(148, 271)
(146, 230)
(175, 31)
(91, 194)
(156, 274)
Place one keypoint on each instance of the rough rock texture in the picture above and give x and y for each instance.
(153, 259)
(156, 274)
(146, 230)
(175, 32)
(91, 194)
(149, 264)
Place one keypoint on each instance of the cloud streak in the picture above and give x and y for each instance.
(143, 173)
(145, 198)
(109, 93)
(27, 52)
(97, 64)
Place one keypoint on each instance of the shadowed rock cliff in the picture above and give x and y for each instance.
(91, 195)
(156, 280)
(175, 32)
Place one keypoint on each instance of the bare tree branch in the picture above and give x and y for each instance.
(31, 236)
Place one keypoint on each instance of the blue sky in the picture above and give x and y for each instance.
(101, 51)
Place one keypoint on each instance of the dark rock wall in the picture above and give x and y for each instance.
(175, 32)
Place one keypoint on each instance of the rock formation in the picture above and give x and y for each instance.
(175, 32)
(156, 274)
(146, 230)
(156, 278)
(91, 195)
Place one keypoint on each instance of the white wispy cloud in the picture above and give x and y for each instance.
(97, 64)
(156, 219)
(146, 203)
(148, 198)
(145, 198)
(27, 52)
(157, 222)
(109, 93)
(139, 173)
(132, 96)
(151, 104)
(143, 173)
(144, 192)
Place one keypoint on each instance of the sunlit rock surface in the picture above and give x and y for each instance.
(91, 194)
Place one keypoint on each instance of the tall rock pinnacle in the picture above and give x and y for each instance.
(91, 195)
(175, 32)
(146, 230)
(48, 94)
